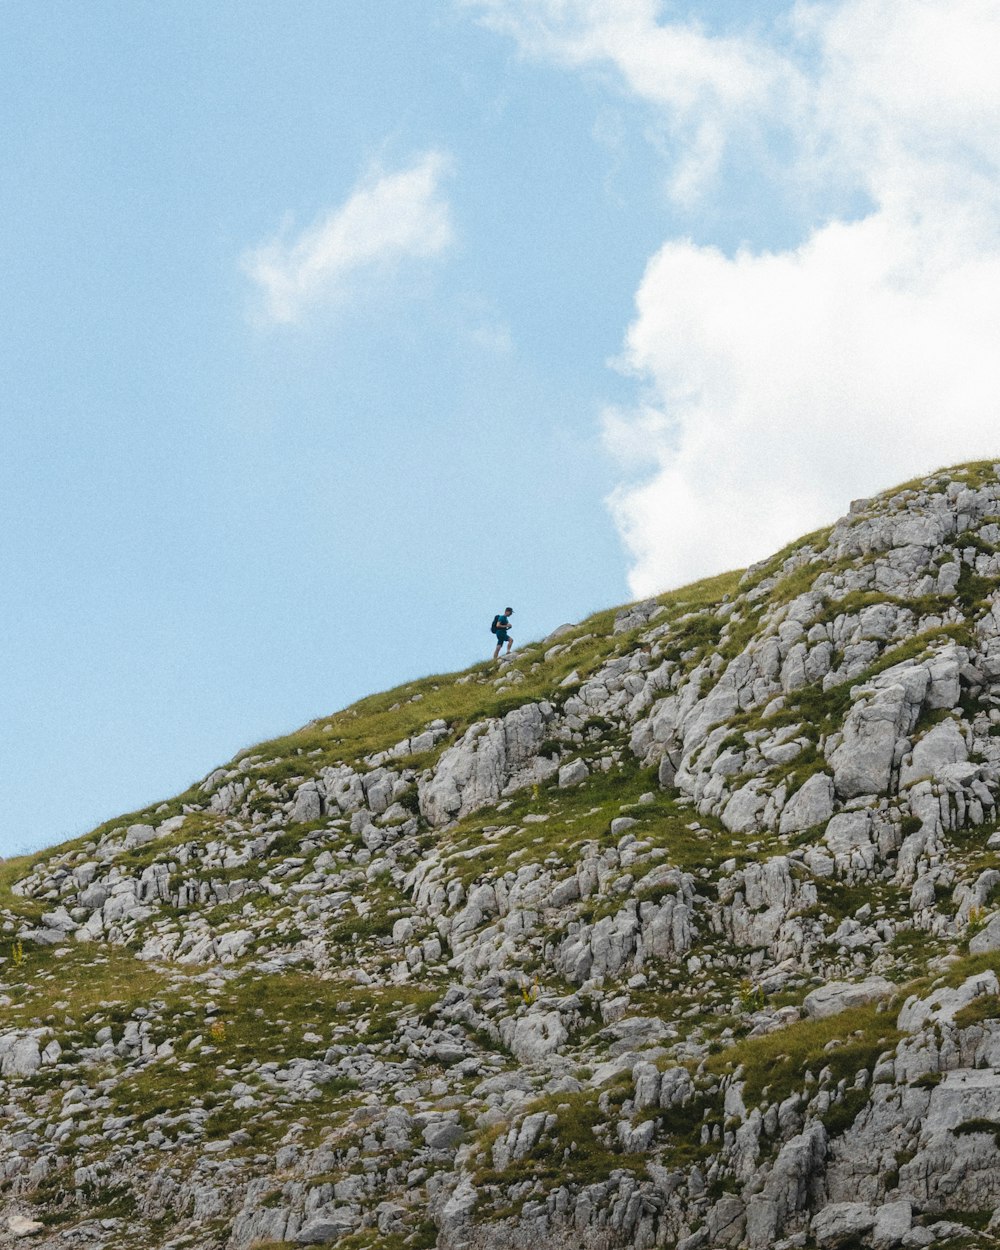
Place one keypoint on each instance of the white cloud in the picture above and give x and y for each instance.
(788, 383)
(387, 218)
(708, 90)
(776, 386)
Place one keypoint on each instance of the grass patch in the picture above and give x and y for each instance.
(842, 1114)
(991, 1128)
(579, 1150)
(82, 976)
(291, 1004)
(774, 1064)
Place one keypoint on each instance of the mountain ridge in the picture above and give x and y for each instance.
(679, 928)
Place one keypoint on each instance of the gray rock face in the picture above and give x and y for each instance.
(20, 1054)
(138, 835)
(743, 812)
(862, 763)
(945, 1003)
(534, 1036)
(22, 1226)
(491, 758)
(842, 1222)
(837, 996)
(328, 1226)
(808, 806)
(760, 901)
(308, 803)
(893, 1221)
(951, 1167)
(793, 1183)
(636, 615)
(988, 938)
(941, 746)
(573, 773)
(726, 1222)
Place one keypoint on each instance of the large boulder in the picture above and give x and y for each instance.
(892, 1222)
(573, 773)
(308, 804)
(988, 938)
(940, 747)
(839, 1223)
(20, 1054)
(862, 762)
(838, 996)
(535, 1035)
(942, 1005)
(793, 1183)
(492, 758)
(811, 804)
(328, 1225)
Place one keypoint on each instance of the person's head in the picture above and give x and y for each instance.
(507, 611)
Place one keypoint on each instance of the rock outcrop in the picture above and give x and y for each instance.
(680, 928)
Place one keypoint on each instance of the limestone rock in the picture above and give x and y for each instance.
(836, 996)
(22, 1226)
(862, 762)
(572, 774)
(490, 759)
(810, 805)
(534, 1036)
(988, 938)
(893, 1221)
(20, 1054)
(328, 1226)
(943, 1004)
(842, 1222)
(941, 746)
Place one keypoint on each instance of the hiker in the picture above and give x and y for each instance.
(500, 627)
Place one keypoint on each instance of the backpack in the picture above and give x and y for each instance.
(494, 628)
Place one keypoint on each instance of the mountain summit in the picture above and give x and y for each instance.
(678, 929)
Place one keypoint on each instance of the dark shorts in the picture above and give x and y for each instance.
(501, 636)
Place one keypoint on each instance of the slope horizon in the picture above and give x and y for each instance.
(727, 579)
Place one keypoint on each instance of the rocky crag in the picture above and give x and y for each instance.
(679, 929)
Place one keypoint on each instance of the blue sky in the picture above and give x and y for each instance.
(556, 315)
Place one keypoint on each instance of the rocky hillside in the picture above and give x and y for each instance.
(678, 929)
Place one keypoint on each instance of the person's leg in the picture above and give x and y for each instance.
(497, 651)
(510, 643)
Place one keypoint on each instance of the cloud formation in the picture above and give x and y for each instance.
(773, 386)
(387, 218)
(706, 89)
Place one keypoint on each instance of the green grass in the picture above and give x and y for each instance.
(293, 1003)
(584, 814)
(979, 1011)
(989, 1127)
(84, 975)
(698, 633)
(775, 1063)
(817, 540)
(579, 1130)
(682, 1126)
(842, 1114)
(974, 474)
